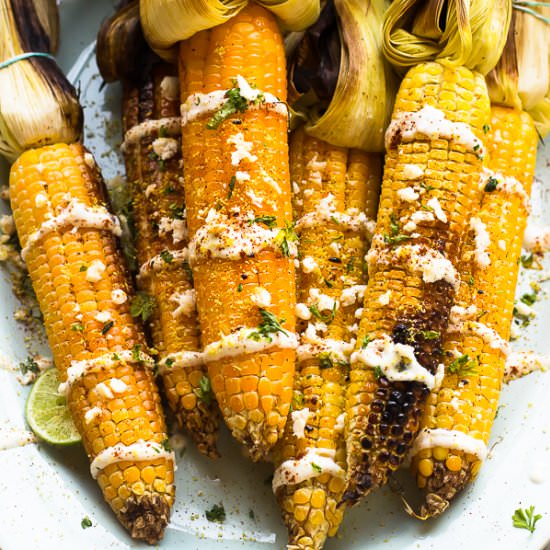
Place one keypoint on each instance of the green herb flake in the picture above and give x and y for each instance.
(29, 365)
(269, 325)
(285, 236)
(77, 327)
(325, 361)
(328, 283)
(316, 468)
(471, 280)
(325, 318)
(527, 260)
(231, 186)
(486, 128)
(378, 372)
(83, 268)
(167, 256)
(107, 327)
(240, 287)
(136, 353)
(216, 513)
(529, 299)
(142, 305)
(268, 221)
(234, 103)
(366, 341)
(395, 237)
(463, 366)
(169, 361)
(86, 522)
(177, 210)
(426, 186)
(163, 132)
(166, 445)
(204, 391)
(526, 519)
(116, 357)
(430, 334)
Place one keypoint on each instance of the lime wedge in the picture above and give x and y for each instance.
(47, 413)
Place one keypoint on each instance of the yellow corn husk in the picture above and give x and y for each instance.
(76, 272)
(167, 22)
(52, 112)
(432, 184)
(473, 33)
(359, 109)
(331, 251)
(521, 79)
(246, 193)
(468, 398)
(153, 166)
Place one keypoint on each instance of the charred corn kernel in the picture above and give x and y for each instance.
(431, 184)
(152, 153)
(66, 229)
(478, 341)
(245, 189)
(335, 192)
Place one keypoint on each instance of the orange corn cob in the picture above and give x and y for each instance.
(475, 356)
(332, 252)
(81, 284)
(429, 188)
(237, 185)
(153, 166)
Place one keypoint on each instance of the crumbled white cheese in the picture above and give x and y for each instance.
(536, 238)
(165, 147)
(255, 199)
(299, 421)
(185, 302)
(448, 439)
(435, 205)
(322, 301)
(336, 247)
(340, 423)
(412, 171)
(103, 316)
(525, 310)
(358, 313)
(118, 296)
(170, 126)
(104, 391)
(309, 264)
(352, 294)
(243, 149)
(89, 159)
(384, 299)
(91, 414)
(302, 312)
(241, 176)
(117, 385)
(170, 87)
(502, 244)
(177, 227)
(95, 271)
(40, 200)
(522, 363)
(417, 217)
(408, 194)
(482, 242)
(458, 315)
(261, 297)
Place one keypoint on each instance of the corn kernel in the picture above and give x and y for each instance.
(425, 467)
(440, 453)
(453, 463)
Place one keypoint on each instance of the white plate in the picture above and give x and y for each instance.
(45, 492)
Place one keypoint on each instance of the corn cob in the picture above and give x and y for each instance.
(335, 198)
(463, 410)
(433, 163)
(153, 166)
(59, 209)
(237, 194)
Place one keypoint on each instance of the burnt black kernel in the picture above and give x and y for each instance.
(370, 429)
(407, 437)
(382, 439)
(401, 448)
(383, 457)
(384, 429)
(396, 396)
(393, 407)
(308, 428)
(401, 418)
(237, 121)
(366, 443)
(387, 416)
(365, 482)
(396, 430)
(373, 418)
(377, 406)
(395, 460)
(314, 399)
(244, 276)
(335, 260)
(409, 396)
(406, 406)
(381, 393)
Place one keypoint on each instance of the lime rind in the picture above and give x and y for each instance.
(47, 413)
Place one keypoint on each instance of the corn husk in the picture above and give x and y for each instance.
(41, 106)
(351, 96)
(166, 22)
(473, 32)
(521, 78)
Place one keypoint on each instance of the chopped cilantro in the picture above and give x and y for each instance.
(395, 237)
(216, 513)
(142, 305)
(29, 365)
(529, 299)
(325, 361)
(240, 287)
(527, 260)
(167, 256)
(234, 103)
(269, 221)
(107, 327)
(430, 334)
(471, 280)
(285, 236)
(526, 519)
(204, 391)
(177, 210)
(169, 361)
(269, 325)
(486, 128)
(136, 352)
(316, 468)
(327, 318)
(86, 522)
(378, 372)
(365, 341)
(426, 186)
(77, 327)
(491, 184)
(166, 445)
(232, 183)
(163, 132)
(83, 268)
(463, 366)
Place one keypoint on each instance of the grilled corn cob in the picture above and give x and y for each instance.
(335, 200)
(239, 215)
(456, 425)
(59, 209)
(153, 166)
(152, 151)
(433, 163)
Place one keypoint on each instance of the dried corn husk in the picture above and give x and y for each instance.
(460, 32)
(522, 76)
(52, 113)
(344, 86)
(166, 22)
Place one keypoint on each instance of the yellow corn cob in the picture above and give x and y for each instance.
(408, 301)
(468, 398)
(332, 253)
(74, 272)
(159, 214)
(253, 390)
